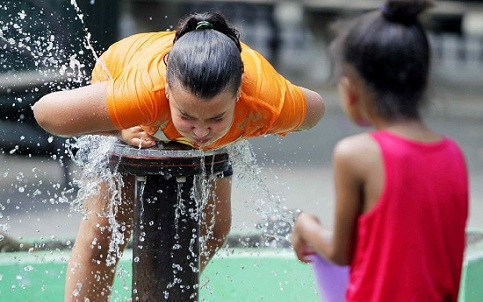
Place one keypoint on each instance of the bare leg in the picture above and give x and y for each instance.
(216, 220)
(88, 275)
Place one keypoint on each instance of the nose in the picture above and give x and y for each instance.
(201, 131)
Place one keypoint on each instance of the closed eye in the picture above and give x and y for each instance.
(187, 118)
(218, 118)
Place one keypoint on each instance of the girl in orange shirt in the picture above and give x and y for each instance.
(199, 86)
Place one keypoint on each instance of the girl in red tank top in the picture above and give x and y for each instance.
(401, 190)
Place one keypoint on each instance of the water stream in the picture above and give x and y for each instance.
(53, 59)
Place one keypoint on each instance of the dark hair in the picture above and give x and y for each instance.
(390, 50)
(205, 58)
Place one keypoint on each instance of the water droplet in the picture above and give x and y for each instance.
(22, 15)
(14, 149)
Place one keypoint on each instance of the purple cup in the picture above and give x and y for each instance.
(331, 279)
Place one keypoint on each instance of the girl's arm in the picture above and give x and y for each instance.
(349, 181)
(84, 111)
(350, 165)
(315, 109)
(74, 112)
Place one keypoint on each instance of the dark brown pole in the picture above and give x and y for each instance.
(166, 240)
(166, 218)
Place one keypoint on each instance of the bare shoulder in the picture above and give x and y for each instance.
(358, 152)
(359, 145)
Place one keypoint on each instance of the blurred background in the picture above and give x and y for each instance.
(48, 45)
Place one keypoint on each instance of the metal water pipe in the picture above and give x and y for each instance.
(166, 246)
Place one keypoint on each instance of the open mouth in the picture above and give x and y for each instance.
(202, 142)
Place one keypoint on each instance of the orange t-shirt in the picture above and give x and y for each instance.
(134, 67)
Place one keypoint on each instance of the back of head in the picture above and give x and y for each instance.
(390, 51)
(205, 58)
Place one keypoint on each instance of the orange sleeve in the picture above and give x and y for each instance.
(135, 70)
(136, 97)
(117, 56)
(282, 104)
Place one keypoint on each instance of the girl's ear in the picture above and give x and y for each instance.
(352, 101)
(348, 91)
(238, 94)
(166, 91)
(239, 91)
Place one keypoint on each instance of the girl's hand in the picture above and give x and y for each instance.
(137, 137)
(302, 248)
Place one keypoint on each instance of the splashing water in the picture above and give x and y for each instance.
(95, 172)
(201, 193)
(43, 47)
(32, 38)
(267, 205)
(92, 156)
(53, 60)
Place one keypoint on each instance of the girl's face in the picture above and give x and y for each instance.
(202, 121)
(353, 102)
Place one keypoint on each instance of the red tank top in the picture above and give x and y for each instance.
(410, 246)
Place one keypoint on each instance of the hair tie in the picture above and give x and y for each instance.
(398, 14)
(385, 12)
(204, 25)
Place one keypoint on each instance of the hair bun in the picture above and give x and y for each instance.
(404, 11)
